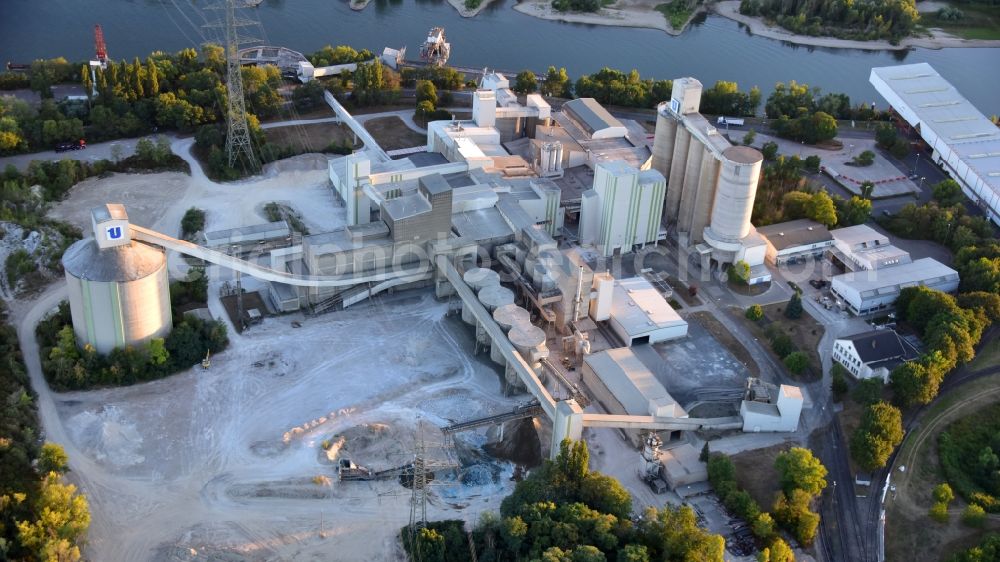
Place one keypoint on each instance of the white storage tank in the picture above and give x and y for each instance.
(508, 315)
(734, 196)
(119, 295)
(495, 296)
(529, 341)
(479, 277)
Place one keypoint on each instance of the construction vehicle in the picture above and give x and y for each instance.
(435, 50)
(207, 361)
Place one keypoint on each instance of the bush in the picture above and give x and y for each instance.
(739, 272)
(797, 362)
(749, 137)
(868, 391)
(812, 163)
(755, 312)
(974, 516)
(942, 493)
(866, 158)
(192, 222)
(880, 432)
(782, 345)
(939, 512)
(19, 263)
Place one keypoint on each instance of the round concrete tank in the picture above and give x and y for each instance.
(118, 296)
(735, 193)
(479, 277)
(663, 140)
(497, 356)
(529, 341)
(495, 296)
(510, 314)
(467, 316)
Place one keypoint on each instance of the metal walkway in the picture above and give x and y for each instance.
(529, 410)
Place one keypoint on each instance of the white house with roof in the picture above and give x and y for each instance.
(872, 354)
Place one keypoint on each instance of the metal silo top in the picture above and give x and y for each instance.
(510, 315)
(526, 335)
(84, 260)
(495, 296)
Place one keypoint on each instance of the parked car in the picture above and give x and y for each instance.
(64, 146)
(818, 283)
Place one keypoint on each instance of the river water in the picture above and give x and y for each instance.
(499, 37)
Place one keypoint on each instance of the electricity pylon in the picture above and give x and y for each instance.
(238, 133)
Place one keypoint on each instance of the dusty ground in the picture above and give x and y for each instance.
(756, 474)
(805, 333)
(310, 138)
(723, 336)
(223, 459)
(391, 133)
(144, 195)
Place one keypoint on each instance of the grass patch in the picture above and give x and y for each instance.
(311, 138)
(677, 12)
(392, 134)
(805, 333)
(979, 22)
(988, 356)
(755, 473)
(472, 4)
(276, 212)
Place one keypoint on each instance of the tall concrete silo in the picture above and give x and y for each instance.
(734, 195)
(118, 289)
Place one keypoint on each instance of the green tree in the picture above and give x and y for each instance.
(885, 135)
(430, 546)
(947, 192)
(821, 209)
(556, 83)
(763, 526)
(426, 92)
(525, 82)
(793, 513)
(867, 189)
(838, 382)
(812, 163)
(770, 150)
(855, 211)
(793, 309)
(796, 362)
(942, 493)
(740, 272)
(754, 312)
(52, 458)
(880, 432)
(777, 551)
(782, 345)
(63, 516)
(633, 553)
(799, 469)
(672, 533)
(749, 137)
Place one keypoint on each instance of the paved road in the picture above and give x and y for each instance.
(93, 152)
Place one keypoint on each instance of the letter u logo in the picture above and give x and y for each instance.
(114, 232)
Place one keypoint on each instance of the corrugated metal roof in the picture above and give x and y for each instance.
(84, 260)
(954, 120)
(591, 115)
(630, 381)
(919, 271)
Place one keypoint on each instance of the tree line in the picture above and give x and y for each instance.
(867, 20)
(564, 512)
(41, 517)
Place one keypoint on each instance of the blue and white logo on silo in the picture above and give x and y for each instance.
(114, 232)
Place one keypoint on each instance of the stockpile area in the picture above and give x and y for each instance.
(239, 461)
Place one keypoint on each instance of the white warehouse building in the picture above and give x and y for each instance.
(871, 291)
(965, 142)
(639, 313)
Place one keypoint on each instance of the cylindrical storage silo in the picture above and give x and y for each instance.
(529, 341)
(479, 277)
(497, 356)
(734, 196)
(493, 297)
(663, 140)
(508, 315)
(118, 296)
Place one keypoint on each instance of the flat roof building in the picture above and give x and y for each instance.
(871, 291)
(861, 247)
(795, 241)
(767, 407)
(640, 314)
(964, 141)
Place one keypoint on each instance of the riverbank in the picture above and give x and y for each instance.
(730, 9)
(625, 13)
